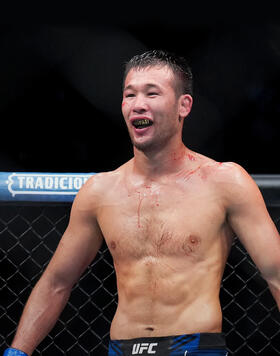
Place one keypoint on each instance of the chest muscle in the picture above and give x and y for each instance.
(149, 222)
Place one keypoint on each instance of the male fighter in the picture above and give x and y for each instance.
(168, 216)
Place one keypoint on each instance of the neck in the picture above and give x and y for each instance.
(160, 162)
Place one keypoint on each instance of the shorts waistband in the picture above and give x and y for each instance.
(169, 345)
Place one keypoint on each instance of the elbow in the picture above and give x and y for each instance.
(274, 286)
(61, 290)
(275, 291)
(271, 272)
(55, 286)
(60, 287)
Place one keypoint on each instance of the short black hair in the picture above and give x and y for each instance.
(177, 64)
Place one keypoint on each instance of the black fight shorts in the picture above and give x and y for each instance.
(204, 344)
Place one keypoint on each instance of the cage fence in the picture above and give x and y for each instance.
(29, 234)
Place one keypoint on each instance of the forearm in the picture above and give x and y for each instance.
(275, 291)
(271, 273)
(40, 315)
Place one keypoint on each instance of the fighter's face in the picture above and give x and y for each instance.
(150, 107)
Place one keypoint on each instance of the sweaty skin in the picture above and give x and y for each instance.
(168, 216)
(170, 237)
(169, 240)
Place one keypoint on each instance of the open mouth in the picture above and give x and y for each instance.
(141, 123)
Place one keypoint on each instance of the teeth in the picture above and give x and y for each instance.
(141, 122)
(144, 122)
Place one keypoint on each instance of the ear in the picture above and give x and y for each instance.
(185, 105)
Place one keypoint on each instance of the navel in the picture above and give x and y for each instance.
(149, 329)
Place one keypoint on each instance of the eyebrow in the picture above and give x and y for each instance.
(148, 86)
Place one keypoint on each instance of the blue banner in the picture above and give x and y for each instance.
(63, 187)
(41, 187)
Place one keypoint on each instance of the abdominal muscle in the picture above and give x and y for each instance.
(161, 296)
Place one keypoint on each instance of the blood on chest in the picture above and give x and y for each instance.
(157, 236)
(148, 223)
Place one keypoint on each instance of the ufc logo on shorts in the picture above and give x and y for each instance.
(138, 349)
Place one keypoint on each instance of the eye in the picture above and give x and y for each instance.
(152, 93)
(129, 95)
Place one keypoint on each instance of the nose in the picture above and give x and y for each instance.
(139, 104)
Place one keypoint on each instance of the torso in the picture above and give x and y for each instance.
(169, 240)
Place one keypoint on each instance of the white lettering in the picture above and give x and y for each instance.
(62, 186)
(39, 183)
(150, 350)
(21, 179)
(56, 182)
(70, 183)
(29, 182)
(135, 349)
(143, 347)
(78, 183)
(48, 182)
(138, 349)
(44, 183)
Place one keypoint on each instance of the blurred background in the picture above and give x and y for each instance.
(61, 76)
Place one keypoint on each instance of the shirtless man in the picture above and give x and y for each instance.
(168, 216)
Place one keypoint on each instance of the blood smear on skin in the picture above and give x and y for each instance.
(191, 157)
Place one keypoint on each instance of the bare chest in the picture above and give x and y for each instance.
(160, 221)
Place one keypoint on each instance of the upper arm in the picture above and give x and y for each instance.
(80, 241)
(248, 216)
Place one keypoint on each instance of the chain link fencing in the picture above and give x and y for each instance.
(29, 234)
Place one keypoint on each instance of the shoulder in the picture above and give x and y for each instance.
(223, 172)
(220, 171)
(235, 184)
(228, 179)
(99, 184)
(233, 174)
